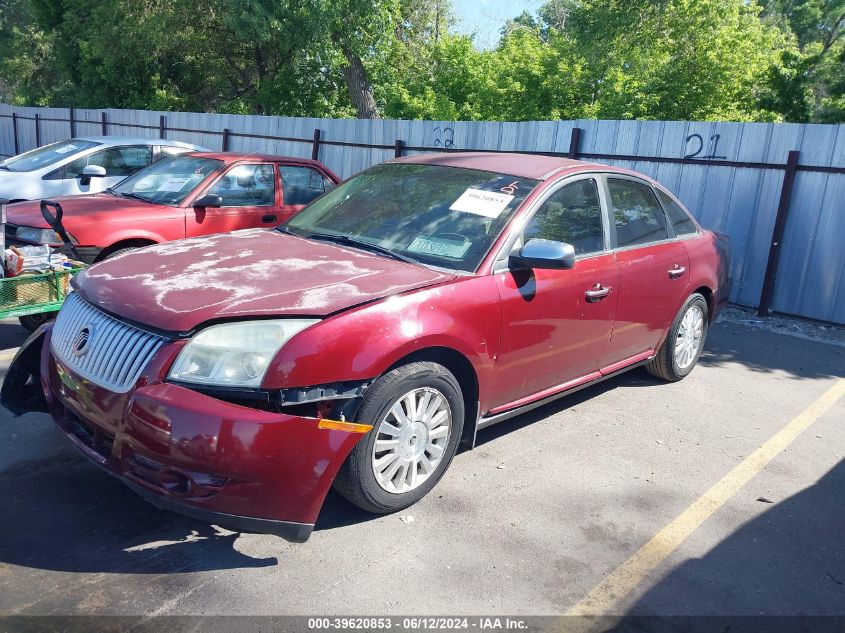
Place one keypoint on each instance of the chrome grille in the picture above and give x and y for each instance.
(101, 348)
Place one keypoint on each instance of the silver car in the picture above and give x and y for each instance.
(87, 164)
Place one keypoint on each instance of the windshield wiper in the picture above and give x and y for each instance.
(3, 167)
(134, 196)
(348, 240)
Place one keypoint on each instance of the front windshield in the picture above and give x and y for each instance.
(168, 181)
(441, 216)
(46, 156)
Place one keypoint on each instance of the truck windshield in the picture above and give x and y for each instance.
(446, 217)
(168, 181)
(47, 155)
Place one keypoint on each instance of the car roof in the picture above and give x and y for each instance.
(133, 140)
(534, 166)
(231, 157)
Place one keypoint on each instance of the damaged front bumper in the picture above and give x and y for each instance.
(235, 466)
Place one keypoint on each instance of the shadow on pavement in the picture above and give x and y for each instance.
(69, 516)
(790, 560)
(11, 334)
(765, 351)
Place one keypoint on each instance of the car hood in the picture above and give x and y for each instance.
(93, 207)
(176, 286)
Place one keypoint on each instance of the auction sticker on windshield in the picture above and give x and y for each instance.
(173, 184)
(487, 203)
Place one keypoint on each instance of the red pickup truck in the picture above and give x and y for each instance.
(184, 196)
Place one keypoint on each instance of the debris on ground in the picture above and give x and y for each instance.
(406, 518)
(764, 500)
(799, 328)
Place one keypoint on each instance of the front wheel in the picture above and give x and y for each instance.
(682, 347)
(417, 413)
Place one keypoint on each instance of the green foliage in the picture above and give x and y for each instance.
(645, 59)
(811, 84)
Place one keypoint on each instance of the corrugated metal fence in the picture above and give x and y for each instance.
(731, 175)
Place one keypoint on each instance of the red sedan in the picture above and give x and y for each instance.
(240, 376)
(182, 196)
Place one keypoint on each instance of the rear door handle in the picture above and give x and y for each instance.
(597, 293)
(270, 218)
(677, 271)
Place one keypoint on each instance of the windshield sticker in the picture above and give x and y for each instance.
(64, 149)
(487, 203)
(173, 184)
(439, 246)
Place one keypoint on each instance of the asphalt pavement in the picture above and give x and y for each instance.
(544, 517)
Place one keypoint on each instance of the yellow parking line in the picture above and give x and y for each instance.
(7, 354)
(602, 598)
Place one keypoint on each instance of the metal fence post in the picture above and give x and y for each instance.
(315, 145)
(104, 124)
(575, 143)
(225, 139)
(15, 132)
(777, 234)
(72, 119)
(398, 147)
(162, 126)
(37, 130)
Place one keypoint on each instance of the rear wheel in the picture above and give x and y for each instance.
(683, 345)
(417, 413)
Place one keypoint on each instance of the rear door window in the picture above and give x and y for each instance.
(637, 214)
(300, 185)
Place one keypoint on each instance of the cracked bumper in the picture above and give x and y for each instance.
(238, 467)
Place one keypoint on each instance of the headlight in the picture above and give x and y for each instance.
(37, 236)
(234, 354)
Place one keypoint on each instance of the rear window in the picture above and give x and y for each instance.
(681, 221)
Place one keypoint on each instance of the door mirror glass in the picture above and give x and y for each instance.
(209, 200)
(93, 171)
(543, 254)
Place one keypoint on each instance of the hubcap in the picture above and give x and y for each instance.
(690, 336)
(411, 440)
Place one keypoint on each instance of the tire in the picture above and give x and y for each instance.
(417, 443)
(669, 363)
(32, 322)
(120, 251)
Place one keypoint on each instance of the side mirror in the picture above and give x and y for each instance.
(93, 171)
(543, 254)
(209, 200)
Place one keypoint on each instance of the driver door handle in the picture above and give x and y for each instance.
(270, 218)
(597, 293)
(676, 271)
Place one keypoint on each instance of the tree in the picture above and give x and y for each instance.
(810, 84)
(675, 59)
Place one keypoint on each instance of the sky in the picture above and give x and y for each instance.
(485, 18)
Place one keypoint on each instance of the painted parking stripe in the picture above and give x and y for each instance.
(7, 354)
(604, 596)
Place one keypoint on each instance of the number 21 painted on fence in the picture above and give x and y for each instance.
(714, 145)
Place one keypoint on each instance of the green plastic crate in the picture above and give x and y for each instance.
(33, 294)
